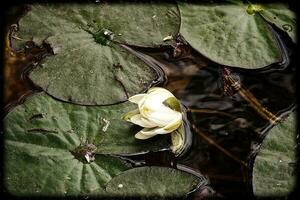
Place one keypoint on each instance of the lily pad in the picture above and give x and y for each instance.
(274, 167)
(32, 169)
(50, 123)
(282, 17)
(87, 67)
(229, 35)
(153, 181)
(147, 26)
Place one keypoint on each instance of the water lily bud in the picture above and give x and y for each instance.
(158, 112)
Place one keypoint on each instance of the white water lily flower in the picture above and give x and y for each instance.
(158, 112)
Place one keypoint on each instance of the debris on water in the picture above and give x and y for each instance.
(85, 152)
(107, 123)
(242, 122)
(109, 34)
(167, 38)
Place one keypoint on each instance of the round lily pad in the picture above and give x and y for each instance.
(153, 182)
(88, 67)
(275, 164)
(230, 34)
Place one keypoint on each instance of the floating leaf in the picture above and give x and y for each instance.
(33, 169)
(87, 67)
(44, 121)
(273, 173)
(228, 35)
(147, 26)
(282, 17)
(152, 181)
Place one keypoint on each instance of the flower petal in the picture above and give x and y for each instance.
(173, 125)
(139, 120)
(163, 118)
(178, 138)
(136, 98)
(142, 136)
(128, 115)
(154, 131)
(149, 132)
(153, 89)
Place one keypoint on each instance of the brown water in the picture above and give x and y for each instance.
(229, 110)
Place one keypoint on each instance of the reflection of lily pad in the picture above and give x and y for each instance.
(44, 121)
(229, 35)
(152, 181)
(87, 68)
(274, 166)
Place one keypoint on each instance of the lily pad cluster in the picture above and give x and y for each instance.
(63, 141)
(57, 148)
(87, 53)
(87, 40)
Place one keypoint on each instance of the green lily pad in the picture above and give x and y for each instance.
(282, 17)
(87, 66)
(152, 181)
(229, 35)
(50, 123)
(147, 26)
(32, 169)
(274, 166)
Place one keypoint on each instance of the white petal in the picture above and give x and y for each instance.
(136, 98)
(149, 123)
(139, 120)
(154, 131)
(158, 90)
(173, 125)
(177, 138)
(128, 115)
(153, 89)
(164, 118)
(141, 136)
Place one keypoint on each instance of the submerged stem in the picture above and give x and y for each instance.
(212, 142)
(251, 99)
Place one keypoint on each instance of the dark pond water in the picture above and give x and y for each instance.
(228, 122)
(229, 110)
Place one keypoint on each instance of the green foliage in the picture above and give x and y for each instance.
(159, 182)
(87, 65)
(274, 167)
(235, 34)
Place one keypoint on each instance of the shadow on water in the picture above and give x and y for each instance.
(230, 111)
